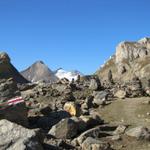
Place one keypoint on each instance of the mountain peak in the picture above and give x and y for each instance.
(39, 71)
(39, 62)
(8, 70)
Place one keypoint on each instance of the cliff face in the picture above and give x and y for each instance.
(131, 59)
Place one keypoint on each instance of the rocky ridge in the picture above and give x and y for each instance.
(7, 70)
(131, 59)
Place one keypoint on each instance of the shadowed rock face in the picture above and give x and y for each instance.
(7, 70)
(131, 59)
(39, 72)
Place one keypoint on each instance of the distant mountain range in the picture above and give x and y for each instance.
(40, 72)
(60, 73)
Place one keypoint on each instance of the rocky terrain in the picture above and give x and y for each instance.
(106, 111)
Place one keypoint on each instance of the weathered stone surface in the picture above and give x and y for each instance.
(120, 129)
(97, 132)
(65, 129)
(120, 94)
(15, 137)
(91, 121)
(131, 50)
(130, 58)
(94, 144)
(72, 108)
(95, 84)
(8, 89)
(100, 97)
(17, 113)
(139, 133)
(4, 57)
(82, 126)
(53, 118)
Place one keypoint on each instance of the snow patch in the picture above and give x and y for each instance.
(60, 73)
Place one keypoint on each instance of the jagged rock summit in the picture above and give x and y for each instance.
(7, 70)
(39, 72)
(131, 59)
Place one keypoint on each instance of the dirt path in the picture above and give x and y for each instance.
(128, 111)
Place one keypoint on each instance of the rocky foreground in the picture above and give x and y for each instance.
(68, 115)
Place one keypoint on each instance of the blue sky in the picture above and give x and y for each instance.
(72, 34)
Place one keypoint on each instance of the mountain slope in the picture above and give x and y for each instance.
(7, 70)
(39, 71)
(131, 59)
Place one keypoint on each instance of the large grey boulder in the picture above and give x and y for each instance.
(121, 94)
(94, 144)
(16, 112)
(95, 84)
(65, 129)
(96, 132)
(8, 89)
(139, 133)
(100, 97)
(16, 137)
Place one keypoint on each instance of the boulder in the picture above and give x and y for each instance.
(82, 126)
(65, 129)
(16, 112)
(120, 94)
(72, 108)
(95, 84)
(139, 133)
(136, 87)
(94, 144)
(91, 121)
(16, 137)
(120, 130)
(100, 97)
(96, 132)
(8, 89)
(89, 101)
(50, 120)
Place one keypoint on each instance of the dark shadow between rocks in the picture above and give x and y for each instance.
(46, 122)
